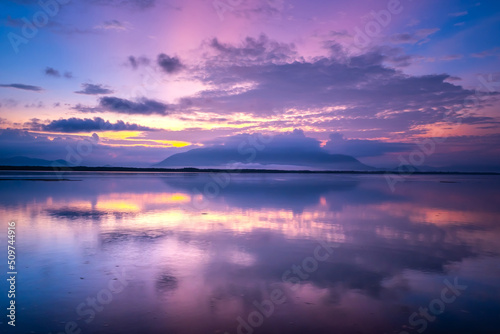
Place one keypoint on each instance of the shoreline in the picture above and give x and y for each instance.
(216, 170)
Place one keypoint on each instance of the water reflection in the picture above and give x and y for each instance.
(186, 270)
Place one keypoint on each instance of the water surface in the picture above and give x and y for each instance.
(199, 253)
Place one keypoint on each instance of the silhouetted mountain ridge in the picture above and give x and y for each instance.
(221, 156)
(25, 161)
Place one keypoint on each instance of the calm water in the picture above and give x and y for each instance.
(178, 253)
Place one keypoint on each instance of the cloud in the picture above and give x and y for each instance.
(413, 22)
(91, 89)
(362, 96)
(135, 62)
(74, 125)
(71, 30)
(360, 91)
(112, 25)
(295, 139)
(487, 53)
(134, 4)
(142, 106)
(420, 36)
(458, 14)
(394, 56)
(23, 87)
(15, 142)
(52, 72)
(339, 33)
(253, 50)
(250, 9)
(462, 151)
(338, 144)
(8, 103)
(452, 57)
(40, 104)
(169, 64)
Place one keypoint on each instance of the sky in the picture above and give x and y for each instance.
(131, 82)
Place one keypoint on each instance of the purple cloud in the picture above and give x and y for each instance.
(75, 125)
(170, 65)
(91, 89)
(23, 87)
(142, 106)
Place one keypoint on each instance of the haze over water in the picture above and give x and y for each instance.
(161, 264)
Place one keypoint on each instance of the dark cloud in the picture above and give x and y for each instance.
(134, 4)
(473, 119)
(135, 62)
(143, 106)
(52, 72)
(22, 86)
(169, 64)
(74, 125)
(91, 89)
(81, 108)
(253, 50)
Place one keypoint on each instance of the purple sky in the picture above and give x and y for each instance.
(134, 81)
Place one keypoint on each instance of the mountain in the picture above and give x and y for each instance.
(269, 158)
(25, 161)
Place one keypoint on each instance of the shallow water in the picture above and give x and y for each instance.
(261, 253)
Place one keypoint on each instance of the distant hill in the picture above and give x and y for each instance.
(221, 156)
(25, 161)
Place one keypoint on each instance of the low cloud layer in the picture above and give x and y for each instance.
(142, 106)
(22, 86)
(14, 143)
(75, 125)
